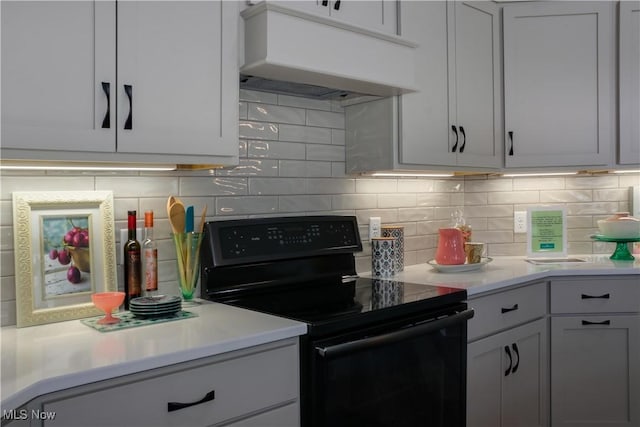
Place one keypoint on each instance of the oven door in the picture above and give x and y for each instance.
(402, 375)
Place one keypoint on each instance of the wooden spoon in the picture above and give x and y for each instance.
(177, 217)
(170, 201)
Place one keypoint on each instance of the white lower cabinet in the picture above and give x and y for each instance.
(251, 387)
(506, 378)
(507, 367)
(595, 358)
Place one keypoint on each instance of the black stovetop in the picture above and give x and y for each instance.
(330, 308)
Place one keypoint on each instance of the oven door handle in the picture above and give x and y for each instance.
(392, 337)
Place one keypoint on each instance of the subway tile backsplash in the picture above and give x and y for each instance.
(292, 163)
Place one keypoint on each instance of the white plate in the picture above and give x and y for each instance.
(459, 268)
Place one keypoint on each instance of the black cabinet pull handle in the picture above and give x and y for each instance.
(336, 5)
(511, 139)
(455, 146)
(603, 296)
(514, 346)
(129, 91)
(325, 2)
(506, 310)
(175, 406)
(464, 139)
(604, 322)
(106, 122)
(508, 351)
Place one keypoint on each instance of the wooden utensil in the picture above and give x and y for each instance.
(177, 217)
(202, 219)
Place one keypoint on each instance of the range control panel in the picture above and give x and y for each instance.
(277, 238)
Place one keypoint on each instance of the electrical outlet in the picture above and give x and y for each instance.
(374, 226)
(520, 222)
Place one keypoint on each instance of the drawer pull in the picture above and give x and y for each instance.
(604, 322)
(506, 310)
(106, 122)
(514, 346)
(128, 89)
(603, 296)
(508, 351)
(175, 406)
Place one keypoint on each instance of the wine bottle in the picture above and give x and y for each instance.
(150, 255)
(132, 263)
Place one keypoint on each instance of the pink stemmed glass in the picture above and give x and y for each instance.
(107, 301)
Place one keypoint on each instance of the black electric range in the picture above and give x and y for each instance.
(378, 351)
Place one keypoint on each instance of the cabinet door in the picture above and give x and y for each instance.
(55, 58)
(476, 83)
(308, 6)
(596, 371)
(558, 62)
(629, 35)
(181, 74)
(378, 15)
(508, 387)
(424, 115)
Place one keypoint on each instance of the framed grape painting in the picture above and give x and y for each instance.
(64, 246)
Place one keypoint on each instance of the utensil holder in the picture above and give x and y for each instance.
(397, 232)
(188, 260)
(383, 258)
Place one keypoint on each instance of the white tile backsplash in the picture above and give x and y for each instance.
(306, 134)
(294, 169)
(276, 113)
(325, 119)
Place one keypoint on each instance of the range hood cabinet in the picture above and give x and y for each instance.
(291, 46)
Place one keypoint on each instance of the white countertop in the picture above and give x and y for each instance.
(41, 359)
(508, 271)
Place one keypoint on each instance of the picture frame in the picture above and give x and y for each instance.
(547, 232)
(64, 246)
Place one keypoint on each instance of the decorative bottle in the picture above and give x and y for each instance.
(150, 255)
(132, 263)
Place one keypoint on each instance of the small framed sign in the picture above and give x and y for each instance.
(547, 232)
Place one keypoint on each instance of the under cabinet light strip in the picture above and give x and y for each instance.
(627, 171)
(44, 166)
(414, 174)
(534, 174)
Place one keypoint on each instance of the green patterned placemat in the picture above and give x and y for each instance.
(128, 320)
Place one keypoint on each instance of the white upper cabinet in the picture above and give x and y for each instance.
(379, 15)
(475, 83)
(454, 119)
(558, 83)
(58, 75)
(170, 57)
(167, 92)
(629, 60)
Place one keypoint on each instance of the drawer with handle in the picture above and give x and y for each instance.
(237, 385)
(604, 294)
(506, 309)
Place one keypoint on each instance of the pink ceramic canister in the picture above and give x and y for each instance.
(450, 249)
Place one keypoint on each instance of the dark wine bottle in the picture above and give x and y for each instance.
(132, 263)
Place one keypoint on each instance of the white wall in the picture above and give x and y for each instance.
(292, 163)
